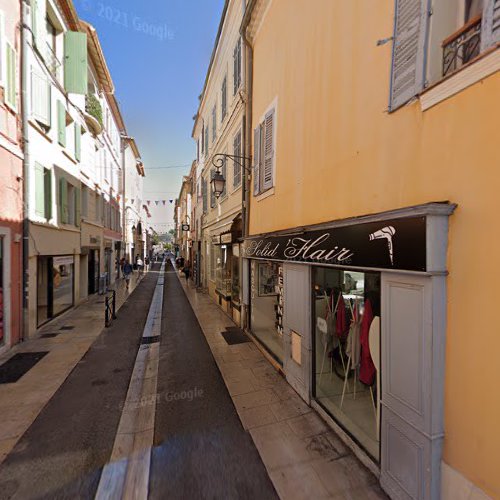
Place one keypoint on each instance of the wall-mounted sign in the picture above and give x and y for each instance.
(389, 244)
(185, 227)
(215, 239)
(226, 238)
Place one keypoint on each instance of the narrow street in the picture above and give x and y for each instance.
(199, 442)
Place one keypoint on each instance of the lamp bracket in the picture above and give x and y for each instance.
(219, 159)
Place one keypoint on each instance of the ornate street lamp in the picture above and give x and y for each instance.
(218, 181)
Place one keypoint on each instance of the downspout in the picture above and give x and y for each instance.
(247, 141)
(124, 228)
(26, 169)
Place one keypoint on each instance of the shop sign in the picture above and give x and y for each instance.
(95, 240)
(185, 227)
(215, 239)
(226, 238)
(62, 261)
(389, 244)
(279, 307)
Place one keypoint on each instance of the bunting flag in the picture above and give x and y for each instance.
(148, 202)
(171, 201)
(163, 202)
(132, 200)
(156, 202)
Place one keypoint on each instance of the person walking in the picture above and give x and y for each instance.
(127, 271)
(186, 272)
(140, 266)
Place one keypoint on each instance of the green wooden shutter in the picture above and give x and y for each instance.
(78, 209)
(408, 51)
(48, 193)
(256, 161)
(11, 81)
(75, 62)
(61, 123)
(40, 97)
(63, 200)
(39, 190)
(78, 143)
(38, 21)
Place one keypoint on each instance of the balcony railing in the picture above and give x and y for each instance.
(53, 62)
(461, 47)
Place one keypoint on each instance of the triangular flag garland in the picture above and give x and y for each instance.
(148, 202)
(163, 202)
(156, 202)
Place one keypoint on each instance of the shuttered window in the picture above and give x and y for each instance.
(2, 44)
(490, 30)
(268, 170)
(61, 124)
(206, 139)
(214, 123)
(78, 142)
(63, 201)
(212, 194)
(236, 165)
(256, 157)
(264, 153)
(204, 195)
(223, 99)
(39, 190)
(11, 77)
(75, 62)
(237, 67)
(40, 98)
(408, 54)
(38, 23)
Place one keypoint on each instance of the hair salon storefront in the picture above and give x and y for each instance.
(354, 312)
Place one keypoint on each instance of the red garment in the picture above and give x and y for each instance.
(341, 325)
(366, 367)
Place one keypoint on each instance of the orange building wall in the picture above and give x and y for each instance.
(339, 153)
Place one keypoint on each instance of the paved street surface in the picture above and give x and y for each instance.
(160, 406)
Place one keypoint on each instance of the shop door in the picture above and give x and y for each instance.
(93, 271)
(412, 347)
(295, 289)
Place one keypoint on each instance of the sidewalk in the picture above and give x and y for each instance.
(303, 456)
(76, 330)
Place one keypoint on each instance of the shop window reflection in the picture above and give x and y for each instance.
(266, 308)
(347, 350)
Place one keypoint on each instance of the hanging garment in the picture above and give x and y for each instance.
(353, 347)
(366, 368)
(341, 325)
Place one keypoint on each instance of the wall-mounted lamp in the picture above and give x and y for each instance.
(218, 181)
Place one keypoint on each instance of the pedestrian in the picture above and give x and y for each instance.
(127, 271)
(140, 266)
(186, 272)
(146, 263)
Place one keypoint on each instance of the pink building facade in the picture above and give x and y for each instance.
(11, 178)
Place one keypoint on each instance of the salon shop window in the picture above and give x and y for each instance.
(347, 351)
(267, 305)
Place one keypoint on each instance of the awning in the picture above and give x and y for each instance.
(228, 232)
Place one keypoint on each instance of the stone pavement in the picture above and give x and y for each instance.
(303, 456)
(22, 401)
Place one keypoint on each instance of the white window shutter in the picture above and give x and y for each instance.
(268, 172)
(256, 161)
(490, 29)
(40, 98)
(408, 51)
(39, 16)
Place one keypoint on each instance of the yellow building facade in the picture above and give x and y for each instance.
(347, 151)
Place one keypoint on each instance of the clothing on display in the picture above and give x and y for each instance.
(366, 367)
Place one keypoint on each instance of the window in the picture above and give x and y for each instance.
(236, 165)
(213, 260)
(40, 98)
(224, 99)
(11, 77)
(237, 67)
(85, 202)
(453, 36)
(206, 139)
(212, 194)
(214, 123)
(264, 157)
(43, 191)
(204, 195)
(71, 201)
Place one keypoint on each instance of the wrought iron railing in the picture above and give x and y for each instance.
(461, 47)
(52, 62)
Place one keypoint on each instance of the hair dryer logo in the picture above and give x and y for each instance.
(386, 232)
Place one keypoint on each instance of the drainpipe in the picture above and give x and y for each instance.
(26, 168)
(247, 141)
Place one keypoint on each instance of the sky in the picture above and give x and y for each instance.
(158, 53)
